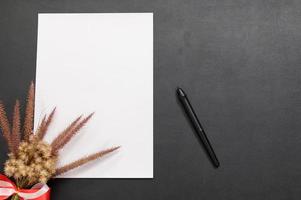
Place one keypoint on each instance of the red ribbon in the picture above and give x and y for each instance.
(37, 192)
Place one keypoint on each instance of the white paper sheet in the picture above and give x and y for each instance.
(102, 63)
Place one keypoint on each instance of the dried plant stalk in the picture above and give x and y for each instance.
(4, 124)
(48, 122)
(16, 134)
(55, 143)
(28, 122)
(41, 126)
(73, 132)
(83, 161)
(45, 125)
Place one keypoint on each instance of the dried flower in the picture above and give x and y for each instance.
(33, 162)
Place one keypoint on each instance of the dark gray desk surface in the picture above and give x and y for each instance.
(240, 63)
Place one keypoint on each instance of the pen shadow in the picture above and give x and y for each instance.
(194, 131)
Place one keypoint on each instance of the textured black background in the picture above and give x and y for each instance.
(239, 61)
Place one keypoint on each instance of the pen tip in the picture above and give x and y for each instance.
(180, 92)
(216, 163)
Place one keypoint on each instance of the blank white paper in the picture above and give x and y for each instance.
(100, 63)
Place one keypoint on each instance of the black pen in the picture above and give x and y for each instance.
(197, 126)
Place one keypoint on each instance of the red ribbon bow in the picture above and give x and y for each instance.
(39, 191)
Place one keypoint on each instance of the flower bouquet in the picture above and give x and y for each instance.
(32, 161)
